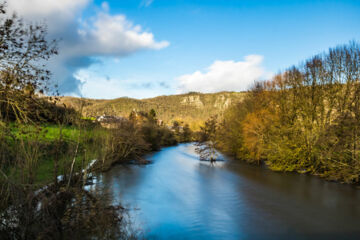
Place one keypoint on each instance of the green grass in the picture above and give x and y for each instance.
(47, 136)
(45, 170)
(89, 118)
(45, 132)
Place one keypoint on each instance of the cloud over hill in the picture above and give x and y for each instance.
(84, 37)
(225, 76)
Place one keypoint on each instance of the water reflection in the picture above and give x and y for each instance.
(179, 197)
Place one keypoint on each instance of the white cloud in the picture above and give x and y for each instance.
(82, 38)
(225, 76)
(115, 35)
(105, 6)
(45, 8)
(57, 13)
(94, 85)
(146, 3)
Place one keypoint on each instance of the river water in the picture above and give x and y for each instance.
(179, 197)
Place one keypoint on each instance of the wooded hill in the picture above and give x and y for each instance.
(192, 108)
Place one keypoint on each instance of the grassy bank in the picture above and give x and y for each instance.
(34, 148)
(38, 152)
(33, 155)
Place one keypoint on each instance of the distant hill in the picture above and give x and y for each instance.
(193, 108)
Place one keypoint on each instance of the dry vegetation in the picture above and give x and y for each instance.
(191, 108)
(47, 149)
(306, 119)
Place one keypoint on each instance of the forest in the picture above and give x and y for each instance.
(305, 119)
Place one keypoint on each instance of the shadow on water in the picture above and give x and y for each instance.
(180, 197)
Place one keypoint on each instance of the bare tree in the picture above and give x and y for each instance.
(24, 50)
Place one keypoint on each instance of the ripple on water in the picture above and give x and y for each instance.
(180, 197)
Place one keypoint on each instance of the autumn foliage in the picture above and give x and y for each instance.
(306, 119)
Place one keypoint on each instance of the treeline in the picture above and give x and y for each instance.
(129, 139)
(192, 108)
(306, 119)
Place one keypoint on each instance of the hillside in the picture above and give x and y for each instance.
(192, 108)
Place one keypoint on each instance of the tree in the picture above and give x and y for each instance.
(207, 142)
(255, 130)
(187, 133)
(24, 50)
(152, 114)
(176, 127)
(305, 119)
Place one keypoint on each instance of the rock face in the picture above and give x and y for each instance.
(193, 108)
(192, 101)
(222, 102)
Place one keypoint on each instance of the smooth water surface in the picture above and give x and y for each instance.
(179, 197)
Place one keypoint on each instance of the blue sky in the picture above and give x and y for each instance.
(205, 46)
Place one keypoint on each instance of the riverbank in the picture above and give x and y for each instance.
(48, 150)
(180, 197)
(46, 168)
(305, 119)
(263, 164)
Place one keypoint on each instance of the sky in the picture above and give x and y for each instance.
(146, 48)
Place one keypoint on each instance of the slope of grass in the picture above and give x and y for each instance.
(46, 141)
(193, 108)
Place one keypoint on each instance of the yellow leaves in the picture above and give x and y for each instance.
(255, 128)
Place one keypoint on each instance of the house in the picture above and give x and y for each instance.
(110, 121)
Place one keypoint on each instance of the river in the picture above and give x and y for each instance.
(180, 197)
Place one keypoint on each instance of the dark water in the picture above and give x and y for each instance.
(179, 197)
